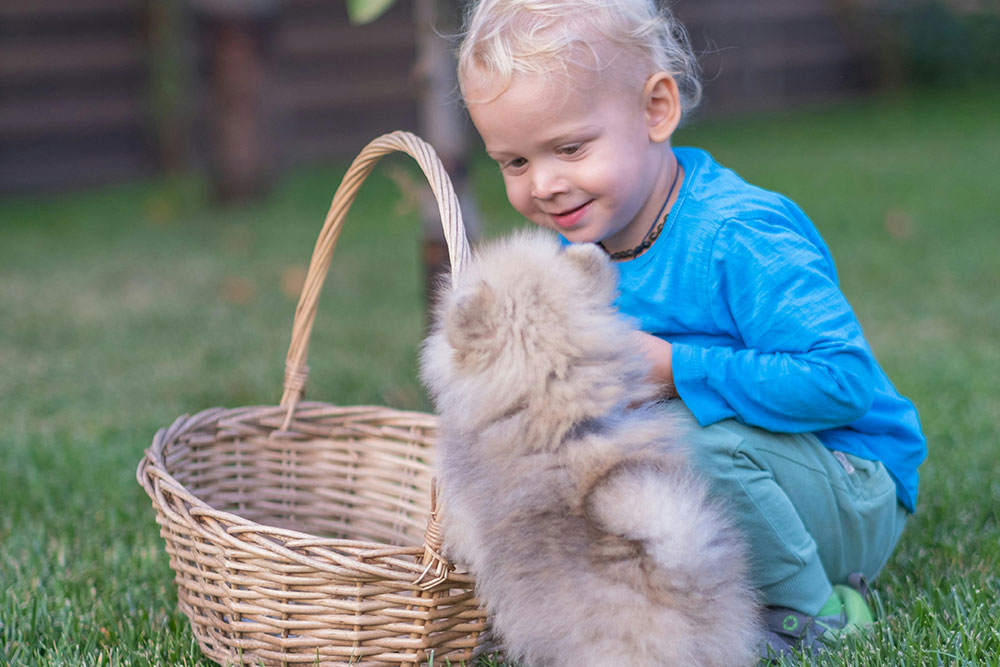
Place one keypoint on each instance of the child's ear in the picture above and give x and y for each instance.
(662, 106)
(470, 317)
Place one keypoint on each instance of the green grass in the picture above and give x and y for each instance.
(125, 307)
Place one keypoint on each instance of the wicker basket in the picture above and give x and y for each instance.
(306, 533)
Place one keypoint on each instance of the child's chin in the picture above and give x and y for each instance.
(579, 235)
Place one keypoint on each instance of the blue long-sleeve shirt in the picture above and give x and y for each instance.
(744, 288)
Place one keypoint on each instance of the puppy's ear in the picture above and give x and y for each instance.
(471, 317)
(594, 264)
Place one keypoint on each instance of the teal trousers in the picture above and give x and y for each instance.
(811, 516)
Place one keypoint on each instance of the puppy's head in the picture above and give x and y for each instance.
(531, 325)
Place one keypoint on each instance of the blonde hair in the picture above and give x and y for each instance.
(504, 38)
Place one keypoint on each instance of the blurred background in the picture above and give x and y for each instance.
(165, 168)
(103, 91)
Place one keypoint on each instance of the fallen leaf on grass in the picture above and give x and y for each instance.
(292, 280)
(237, 290)
(160, 210)
(409, 187)
(898, 223)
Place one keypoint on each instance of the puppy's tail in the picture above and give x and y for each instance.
(694, 559)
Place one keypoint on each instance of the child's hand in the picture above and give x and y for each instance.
(658, 352)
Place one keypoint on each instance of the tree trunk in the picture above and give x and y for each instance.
(240, 150)
(442, 124)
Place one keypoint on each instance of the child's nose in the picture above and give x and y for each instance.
(546, 183)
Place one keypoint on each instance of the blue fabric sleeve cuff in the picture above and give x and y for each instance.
(691, 383)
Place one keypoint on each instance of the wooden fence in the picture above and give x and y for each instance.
(768, 54)
(77, 105)
(72, 100)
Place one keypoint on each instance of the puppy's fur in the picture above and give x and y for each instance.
(567, 493)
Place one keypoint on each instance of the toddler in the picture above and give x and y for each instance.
(801, 432)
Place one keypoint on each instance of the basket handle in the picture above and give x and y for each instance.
(296, 370)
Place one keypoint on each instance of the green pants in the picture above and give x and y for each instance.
(811, 516)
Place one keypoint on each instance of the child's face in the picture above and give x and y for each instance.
(579, 161)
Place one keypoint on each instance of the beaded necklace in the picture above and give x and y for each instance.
(654, 231)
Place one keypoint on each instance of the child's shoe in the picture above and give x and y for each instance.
(787, 631)
(855, 614)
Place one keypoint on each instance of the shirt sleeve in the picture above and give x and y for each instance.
(800, 362)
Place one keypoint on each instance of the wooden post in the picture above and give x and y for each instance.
(240, 149)
(443, 125)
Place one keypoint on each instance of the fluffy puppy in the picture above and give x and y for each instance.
(566, 491)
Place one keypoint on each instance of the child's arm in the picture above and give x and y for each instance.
(798, 360)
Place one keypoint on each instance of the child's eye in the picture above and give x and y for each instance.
(515, 163)
(570, 149)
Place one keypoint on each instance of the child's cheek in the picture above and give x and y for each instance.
(519, 198)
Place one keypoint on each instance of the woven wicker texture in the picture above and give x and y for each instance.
(306, 533)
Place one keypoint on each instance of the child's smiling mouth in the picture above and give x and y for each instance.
(569, 218)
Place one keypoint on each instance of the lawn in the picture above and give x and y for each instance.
(127, 306)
